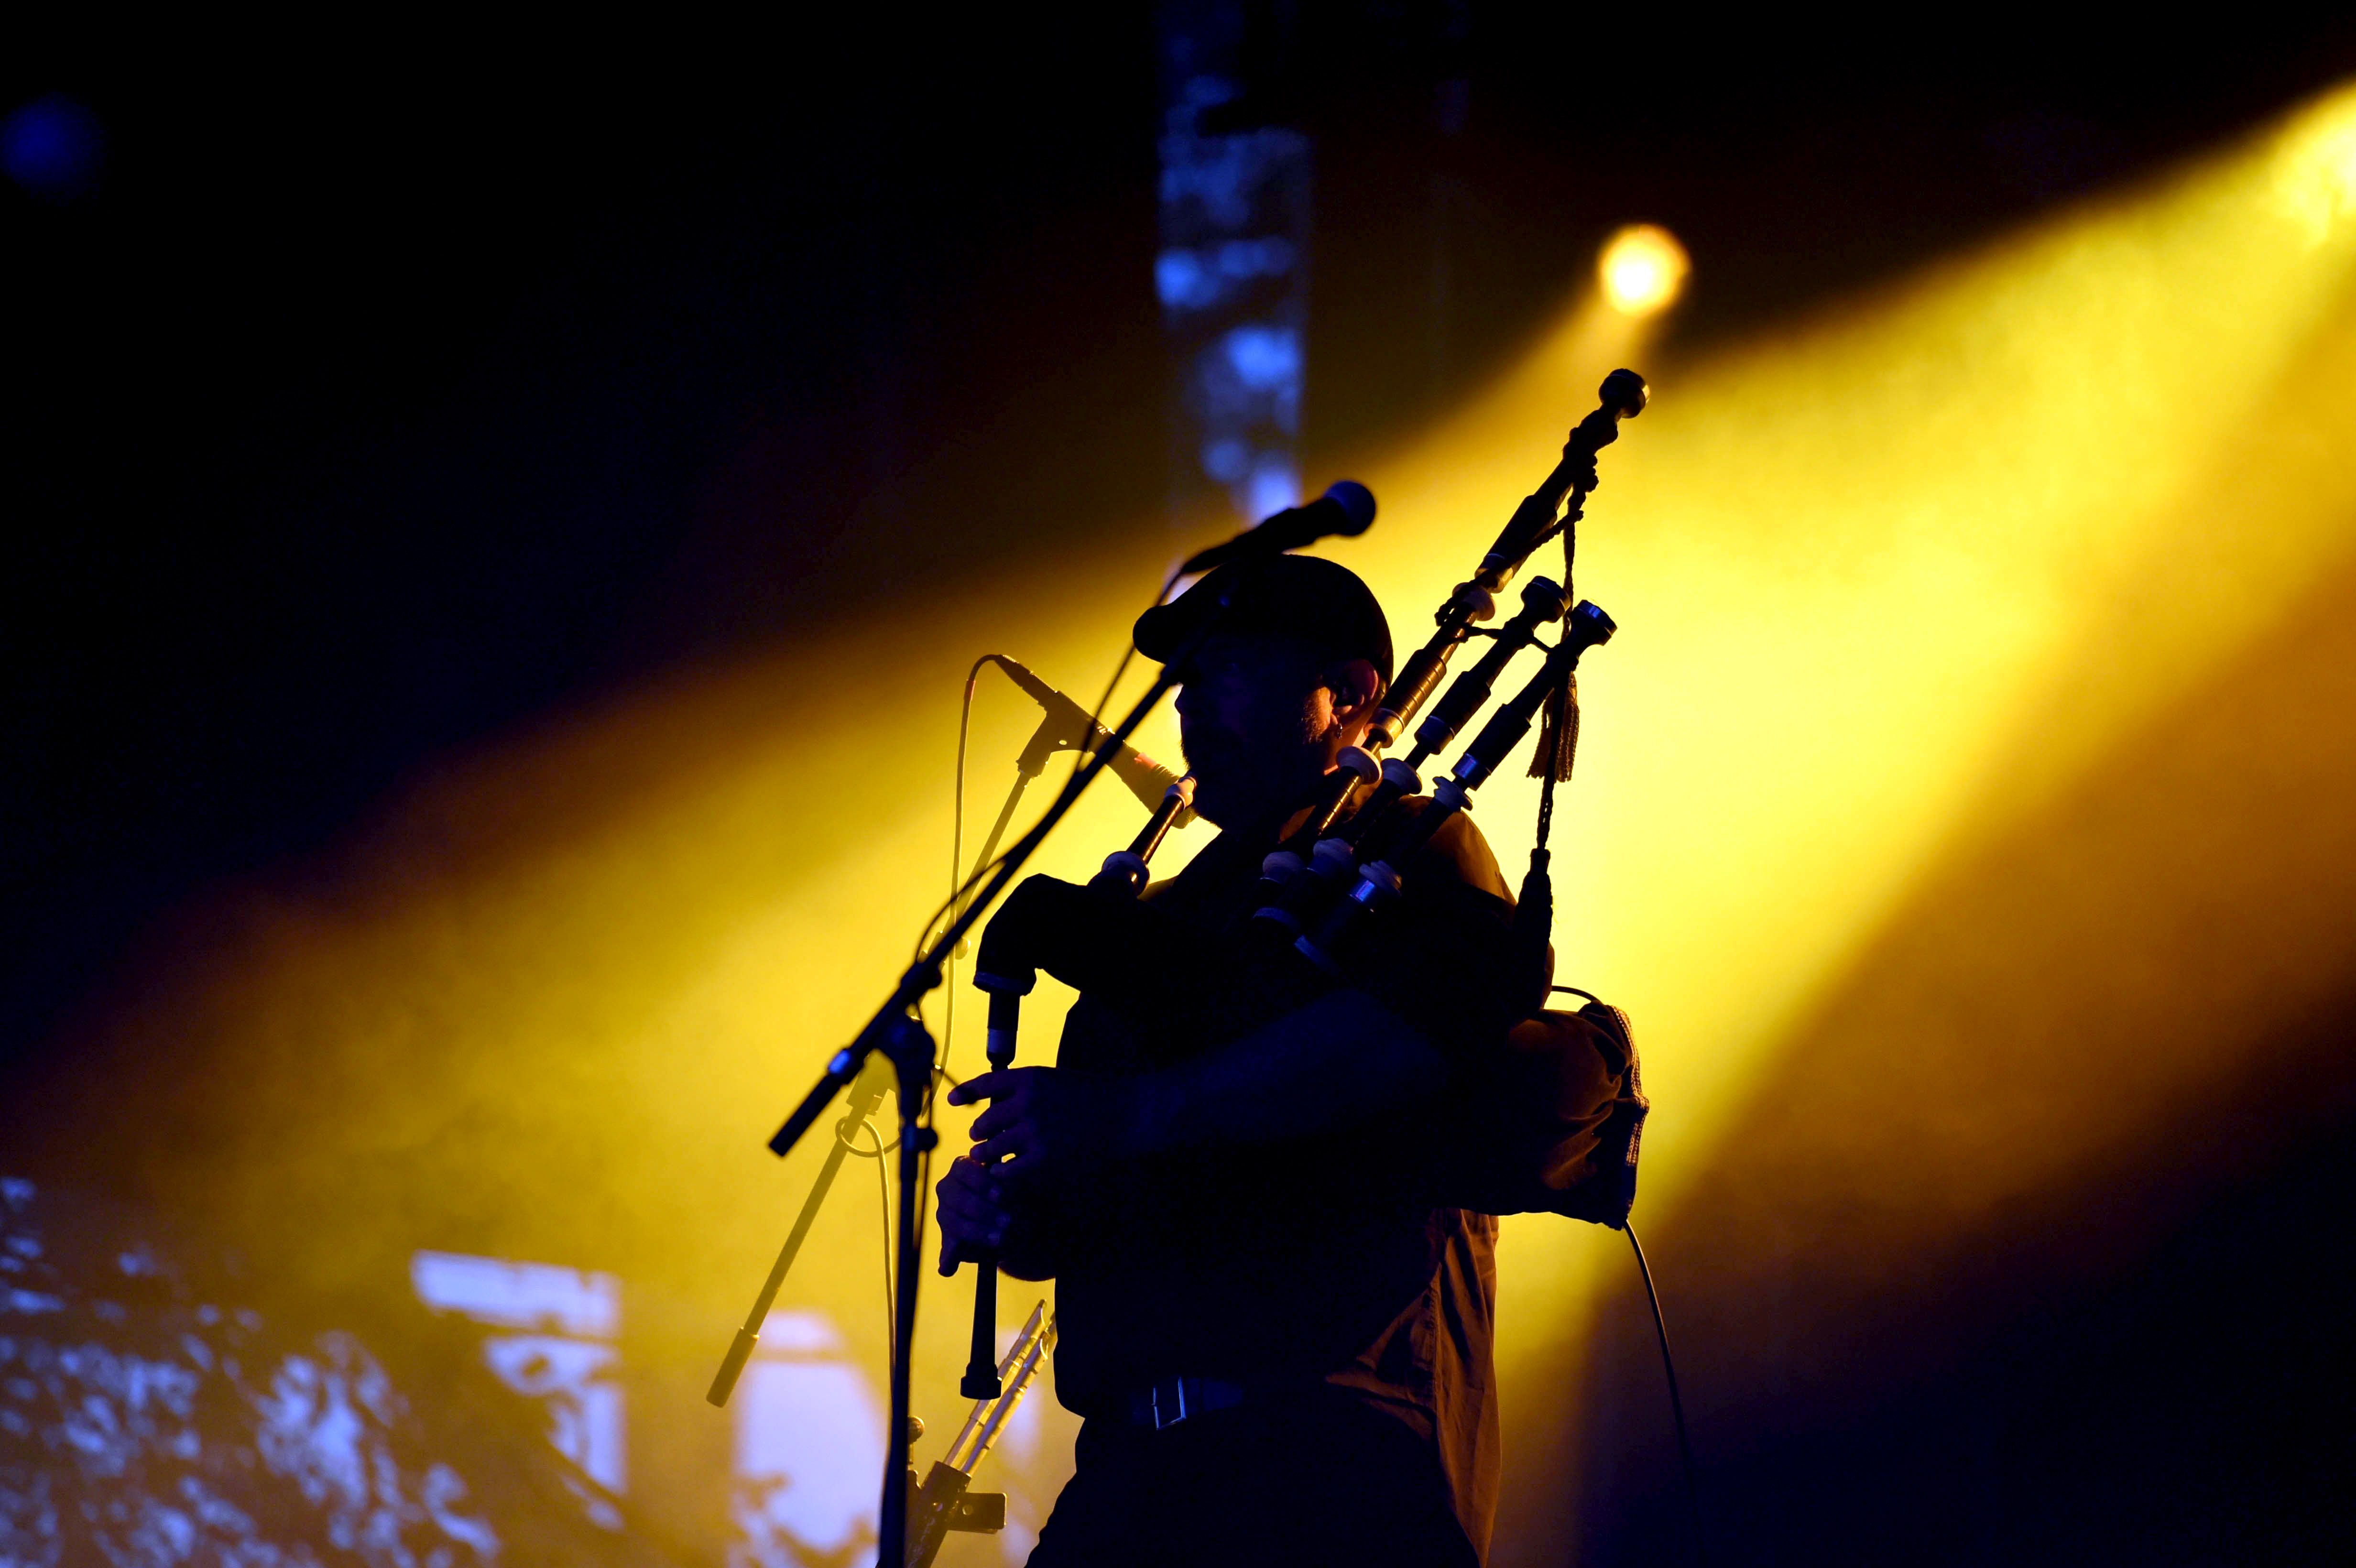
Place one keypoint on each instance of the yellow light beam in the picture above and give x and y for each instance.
(1885, 579)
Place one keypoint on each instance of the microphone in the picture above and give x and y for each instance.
(1346, 508)
(1068, 727)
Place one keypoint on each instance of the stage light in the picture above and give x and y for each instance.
(1642, 269)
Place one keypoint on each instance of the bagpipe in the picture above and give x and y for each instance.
(1553, 1119)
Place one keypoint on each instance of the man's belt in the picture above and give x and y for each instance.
(1172, 1400)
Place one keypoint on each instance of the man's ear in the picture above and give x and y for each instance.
(1357, 689)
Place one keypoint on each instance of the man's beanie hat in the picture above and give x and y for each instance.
(1303, 597)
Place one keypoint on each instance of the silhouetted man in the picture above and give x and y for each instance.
(1277, 1332)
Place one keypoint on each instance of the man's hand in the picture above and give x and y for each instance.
(973, 1219)
(1043, 1126)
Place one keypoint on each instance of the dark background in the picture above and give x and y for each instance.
(369, 407)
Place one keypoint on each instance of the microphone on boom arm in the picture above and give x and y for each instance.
(1068, 727)
(1347, 509)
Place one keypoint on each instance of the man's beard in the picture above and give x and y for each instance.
(1236, 785)
(1224, 753)
(1206, 752)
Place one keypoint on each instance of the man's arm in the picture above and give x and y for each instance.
(1345, 1059)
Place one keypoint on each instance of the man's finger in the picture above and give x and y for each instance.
(995, 1120)
(1009, 1145)
(971, 1188)
(964, 1175)
(967, 1175)
(983, 1086)
(963, 1213)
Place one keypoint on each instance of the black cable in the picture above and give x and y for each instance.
(958, 881)
(948, 967)
(957, 862)
(1676, 1405)
(959, 884)
(884, 1186)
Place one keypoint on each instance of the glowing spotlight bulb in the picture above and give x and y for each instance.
(1642, 269)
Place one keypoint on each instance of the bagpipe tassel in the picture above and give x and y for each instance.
(1557, 733)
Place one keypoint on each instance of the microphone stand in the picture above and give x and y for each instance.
(901, 1038)
(866, 1098)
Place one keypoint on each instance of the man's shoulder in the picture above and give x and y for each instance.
(1458, 853)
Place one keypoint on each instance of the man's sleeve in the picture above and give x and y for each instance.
(1548, 1124)
(1542, 1105)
